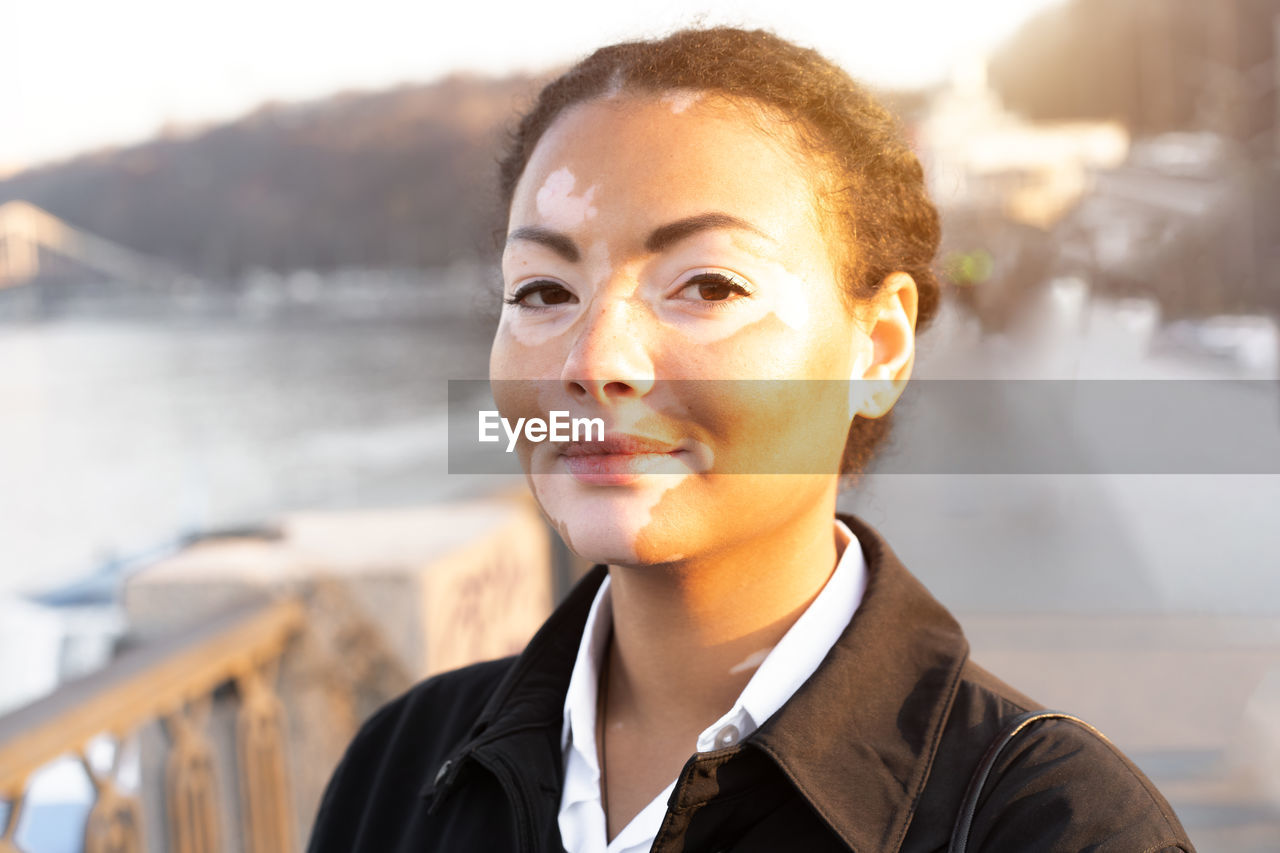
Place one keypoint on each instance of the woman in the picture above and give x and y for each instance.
(719, 246)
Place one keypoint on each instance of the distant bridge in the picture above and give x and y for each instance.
(28, 234)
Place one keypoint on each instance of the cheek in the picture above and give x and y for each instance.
(774, 426)
(527, 398)
(526, 347)
(792, 303)
(772, 401)
(619, 527)
(529, 333)
(765, 346)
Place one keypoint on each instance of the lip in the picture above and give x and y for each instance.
(617, 460)
(618, 444)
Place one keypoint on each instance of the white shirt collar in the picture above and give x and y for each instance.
(786, 666)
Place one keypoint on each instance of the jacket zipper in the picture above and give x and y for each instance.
(518, 796)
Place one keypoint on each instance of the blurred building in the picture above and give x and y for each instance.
(982, 158)
(1133, 145)
(1154, 65)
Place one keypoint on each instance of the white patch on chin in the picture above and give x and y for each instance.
(563, 502)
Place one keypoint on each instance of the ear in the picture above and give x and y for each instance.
(890, 328)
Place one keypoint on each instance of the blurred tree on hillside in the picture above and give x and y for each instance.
(401, 178)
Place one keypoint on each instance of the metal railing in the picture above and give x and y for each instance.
(172, 682)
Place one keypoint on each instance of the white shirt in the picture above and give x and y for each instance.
(788, 665)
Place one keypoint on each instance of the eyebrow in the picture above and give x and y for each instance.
(662, 237)
(665, 235)
(553, 240)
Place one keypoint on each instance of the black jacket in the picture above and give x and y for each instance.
(872, 754)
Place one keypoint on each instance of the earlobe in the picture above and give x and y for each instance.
(892, 340)
(875, 397)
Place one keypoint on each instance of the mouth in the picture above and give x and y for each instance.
(621, 459)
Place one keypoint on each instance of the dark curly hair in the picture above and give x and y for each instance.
(874, 193)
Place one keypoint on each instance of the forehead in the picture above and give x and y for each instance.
(656, 158)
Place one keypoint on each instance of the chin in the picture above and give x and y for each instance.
(617, 525)
(621, 554)
(602, 531)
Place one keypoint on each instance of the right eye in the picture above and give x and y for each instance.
(541, 294)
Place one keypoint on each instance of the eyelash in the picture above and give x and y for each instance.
(733, 283)
(524, 291)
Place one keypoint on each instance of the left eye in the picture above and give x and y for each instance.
(715, 287)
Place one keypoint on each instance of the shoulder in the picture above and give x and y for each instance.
(451, 700)
(1057, 784)
(1061, 783)
(397, 751)
(433, 715)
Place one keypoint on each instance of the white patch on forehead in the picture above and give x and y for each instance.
(557, 204)
(681, 99)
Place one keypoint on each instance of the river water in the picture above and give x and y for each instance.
(119, 436)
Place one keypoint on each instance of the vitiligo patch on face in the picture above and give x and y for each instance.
(790, 306)
(534, 331)
(601, 526)
(598, 267)
(531, 333)
(720, 427)
(558, 206)
(612, 524)
(783, 294)
(681, 99)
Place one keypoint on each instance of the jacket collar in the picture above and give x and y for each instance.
(527, 707)
(857, 739)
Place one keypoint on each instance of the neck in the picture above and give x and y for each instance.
(688, 636)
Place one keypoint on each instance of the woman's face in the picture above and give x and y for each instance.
(666, 272)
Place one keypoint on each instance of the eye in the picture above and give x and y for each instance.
(540, 294)
(715, 287)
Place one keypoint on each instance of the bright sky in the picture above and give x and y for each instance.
(79, 74)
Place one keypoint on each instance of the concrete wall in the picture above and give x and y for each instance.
(392, 596)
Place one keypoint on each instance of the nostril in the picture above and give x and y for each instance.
(605, 389)
(618, 388)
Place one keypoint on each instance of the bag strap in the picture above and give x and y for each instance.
(964, 819)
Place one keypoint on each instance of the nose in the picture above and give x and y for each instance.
(610, 356)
